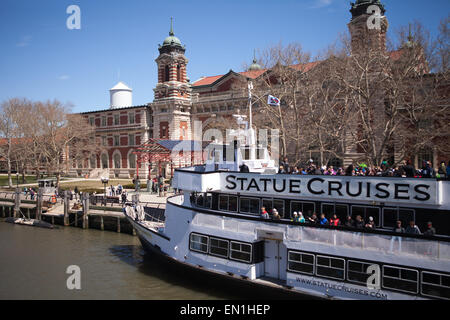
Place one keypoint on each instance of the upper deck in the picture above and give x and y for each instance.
(426, 193)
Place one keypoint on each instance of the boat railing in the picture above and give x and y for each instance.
(388, 244)
(385, 244)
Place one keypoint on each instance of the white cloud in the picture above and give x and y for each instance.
(63, 77)
(321, 3)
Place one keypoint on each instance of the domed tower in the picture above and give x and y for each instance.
(121, 96)
(368, 30)
(172, 103)
(254, 66)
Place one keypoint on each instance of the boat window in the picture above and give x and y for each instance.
(435, 285)
(241, 251)
(199, 243)
(249, 205)
(392, 215)
(365, 212)
(357, 272)
(260, 153)
(218, 247)
(400, 279)
(227, 203)
(330, 267)
(307, 208)
(301, 262)
(341, 210)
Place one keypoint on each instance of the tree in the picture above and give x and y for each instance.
(10, 117)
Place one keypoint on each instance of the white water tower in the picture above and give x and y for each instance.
(121, 96)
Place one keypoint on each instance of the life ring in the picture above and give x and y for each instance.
(53, 199)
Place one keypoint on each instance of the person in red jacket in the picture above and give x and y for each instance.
(335, 221)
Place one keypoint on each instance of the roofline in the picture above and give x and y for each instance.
(114, 109)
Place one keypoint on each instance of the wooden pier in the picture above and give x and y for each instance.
(86, 213)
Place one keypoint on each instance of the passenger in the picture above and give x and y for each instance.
(398, 228)
(313, 219)
(412, 228)
(323, 220)
(359, 224)
(335, 221)
(301, 219)
(430, 230)
(350, 223)
(442, 171)
(294, 217)
(371, 224)
(244, 168)
(275, 214)
(264, 214)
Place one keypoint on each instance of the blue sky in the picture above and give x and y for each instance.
(41, 59)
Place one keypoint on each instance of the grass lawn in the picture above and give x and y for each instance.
(94, 185)
(4, 179)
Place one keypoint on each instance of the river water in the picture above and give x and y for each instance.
(33, 264)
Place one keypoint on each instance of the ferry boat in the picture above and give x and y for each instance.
(214, 225)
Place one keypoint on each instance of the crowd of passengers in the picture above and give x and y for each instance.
(406, 170)
(358, 223)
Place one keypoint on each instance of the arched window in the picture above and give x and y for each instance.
(117, 160)
(178, 73)
(93, 161)
(104, 161)
(166, 73)
(132, 161)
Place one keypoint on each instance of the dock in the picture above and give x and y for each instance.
(91, 212)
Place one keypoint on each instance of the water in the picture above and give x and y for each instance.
(33, 263)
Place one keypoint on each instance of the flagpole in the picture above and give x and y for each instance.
(252, 138)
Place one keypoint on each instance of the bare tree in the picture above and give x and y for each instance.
(10, 115)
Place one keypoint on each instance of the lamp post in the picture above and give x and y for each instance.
(17, 179)
(105, 182)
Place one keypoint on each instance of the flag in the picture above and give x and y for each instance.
(272, 101)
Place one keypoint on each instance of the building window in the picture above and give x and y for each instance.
(131, 139)
(131, 118)
(198, 243)
(93, 161)
(163, 110)
(400, 279)
(91, 121)
(301, 262)
(103, 121)
(104, 161)
(424, 155)
(166, 73)
(435, 285)
(104, 141)
(116, 140)
(328, 267)
(218, 247)
(241, 251)
(179, 73)
(117, 161)
(132, 161)
(116, 119)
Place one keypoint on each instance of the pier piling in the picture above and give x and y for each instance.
(39, 204)
(66, 208)
(85, 202)
(17, 203)
(118, 224)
